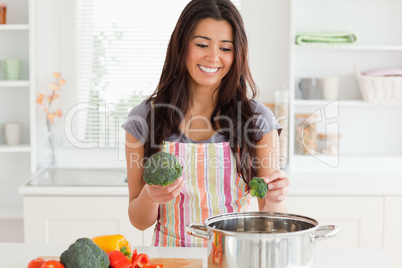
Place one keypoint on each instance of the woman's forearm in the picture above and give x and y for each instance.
(142, 211)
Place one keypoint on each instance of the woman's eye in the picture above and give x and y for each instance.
(226, 49)
(202, 45)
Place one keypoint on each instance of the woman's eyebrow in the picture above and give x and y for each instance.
(209, 39)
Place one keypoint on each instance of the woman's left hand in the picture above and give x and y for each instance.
(278, 183)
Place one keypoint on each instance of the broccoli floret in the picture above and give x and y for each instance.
(258, 187)
(162, 169)
(84, 253)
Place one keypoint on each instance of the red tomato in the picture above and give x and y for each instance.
(36, 263)
(52, 264)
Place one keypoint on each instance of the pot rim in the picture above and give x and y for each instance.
(260, 213)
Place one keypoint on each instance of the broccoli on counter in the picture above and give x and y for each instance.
(84, 253)
(258, 187)
(162, 169)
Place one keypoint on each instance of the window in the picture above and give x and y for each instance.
(113, 55)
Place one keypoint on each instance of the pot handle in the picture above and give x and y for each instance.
(325, 232)
(197, 229)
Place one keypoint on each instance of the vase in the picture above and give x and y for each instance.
(50, 158)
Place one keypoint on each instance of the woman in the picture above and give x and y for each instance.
(200, 112)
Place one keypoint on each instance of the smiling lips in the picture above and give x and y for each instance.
(208, 70)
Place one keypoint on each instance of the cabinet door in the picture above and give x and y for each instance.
(392, 229)
(62, 220)
(359, 219)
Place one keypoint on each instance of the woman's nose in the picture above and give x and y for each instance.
(213, 54)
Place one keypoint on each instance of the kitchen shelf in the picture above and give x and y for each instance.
(14, 27)
(23, 148)
(14, 83)
(349, 47)
(352, 103)
(11, 212)
(364, 147)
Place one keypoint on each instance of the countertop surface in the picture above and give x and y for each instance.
(18, 255)
(70, 181)
(112, 182)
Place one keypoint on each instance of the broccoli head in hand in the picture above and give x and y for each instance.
(258, 187)
(162, 169)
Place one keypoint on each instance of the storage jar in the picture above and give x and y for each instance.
(306, 134)
(329, 143)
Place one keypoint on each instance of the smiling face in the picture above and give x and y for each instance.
(210, 53)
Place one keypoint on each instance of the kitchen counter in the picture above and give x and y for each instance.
(346, 184)
(19, 255)
(67, 197)
(70, 181)
(112, 182)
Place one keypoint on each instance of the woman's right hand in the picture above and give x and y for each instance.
(163, 194)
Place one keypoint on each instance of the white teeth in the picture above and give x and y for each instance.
(208, 70)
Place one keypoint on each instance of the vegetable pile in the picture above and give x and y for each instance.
(258, 187)
(162, 169)
(104, 251)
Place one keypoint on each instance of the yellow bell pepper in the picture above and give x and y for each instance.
(114, 242)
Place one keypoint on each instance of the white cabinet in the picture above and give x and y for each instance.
(370, 140)
(365, 222)
(16, 105)
(392, 229)
(360, 219)
(15, 94)
(63, 219)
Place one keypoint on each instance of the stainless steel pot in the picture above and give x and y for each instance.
(261, 239)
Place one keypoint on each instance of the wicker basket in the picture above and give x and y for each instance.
(379, 88)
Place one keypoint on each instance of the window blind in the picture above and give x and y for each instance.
(113, 55)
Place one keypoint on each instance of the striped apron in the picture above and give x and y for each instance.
(212, 187)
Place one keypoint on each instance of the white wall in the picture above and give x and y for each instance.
(268, 30)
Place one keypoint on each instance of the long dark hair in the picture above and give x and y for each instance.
(173, 87)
